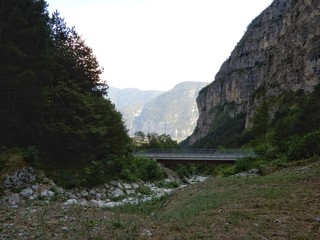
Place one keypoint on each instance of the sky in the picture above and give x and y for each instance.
(156, 44)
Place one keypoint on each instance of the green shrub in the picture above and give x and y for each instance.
(66, 178)
(146, 169)
(246, 164)
(11, 159)
(31, 155)
(305, 147)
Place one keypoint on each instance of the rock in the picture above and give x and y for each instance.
(277, 221)
(22, 178)
(117, 193)
(103, 196)
(196, 179)
(127, 186)
(111, 204)
(114, 183)
(35, 187)
(26, 192)
(84, 193)
(71, 202)
(131, 192)
(135, 185)
(47, 193)
(97, 196)
(83, 202)
(146, 233)
(93, 192)
(13, 199)
(251, 173)
(119, 185)
(103, 191)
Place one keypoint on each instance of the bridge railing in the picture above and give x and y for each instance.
(193, 153)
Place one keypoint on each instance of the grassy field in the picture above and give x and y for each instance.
(284, 204)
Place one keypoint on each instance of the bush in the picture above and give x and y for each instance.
(146, 169)
(305, 147)
(31, 155)
(11, 159)
(246, 164)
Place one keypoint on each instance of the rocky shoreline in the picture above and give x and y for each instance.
(27, 184)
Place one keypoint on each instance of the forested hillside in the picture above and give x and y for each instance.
(51, 94)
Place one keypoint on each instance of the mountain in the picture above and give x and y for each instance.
(130, 101)
(277, 60)
(174, 112)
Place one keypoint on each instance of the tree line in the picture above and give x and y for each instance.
(51, 94)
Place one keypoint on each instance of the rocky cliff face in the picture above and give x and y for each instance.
(174, 112)
(279, 52)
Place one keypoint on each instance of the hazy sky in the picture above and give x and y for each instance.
(156, 44)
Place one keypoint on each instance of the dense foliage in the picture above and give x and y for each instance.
(51, 94)
(154, 141)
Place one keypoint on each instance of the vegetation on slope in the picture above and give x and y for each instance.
(280, 205)
(54, 110)
(284, 127)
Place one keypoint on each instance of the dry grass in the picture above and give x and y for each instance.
(282, 205)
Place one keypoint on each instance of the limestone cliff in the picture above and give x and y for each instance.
(173, 112)
(279, 52)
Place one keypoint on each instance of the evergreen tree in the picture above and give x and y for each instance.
(24, 41)
(51, 94)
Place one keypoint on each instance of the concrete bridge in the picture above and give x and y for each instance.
(191, 156)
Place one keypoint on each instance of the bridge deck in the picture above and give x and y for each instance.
(207, 156)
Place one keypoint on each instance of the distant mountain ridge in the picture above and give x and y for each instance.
(173, 112)
(130, 101)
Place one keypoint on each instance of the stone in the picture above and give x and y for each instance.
(131, 192)
(71, 202)
(26, 192)
(22, 178)
(13, 199)
(147, 233)
(97, 203)
(250, 173)
(114, 183)
(111, 204)
(103, 191)
(35, 187)
(127, 186)
(97, 196)
(92, 192)
(117, 193)
(103, 196)
(84, 193)
(196, 179)
(83, 202)
(277, 221)
(47, 193)
(119, 185)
